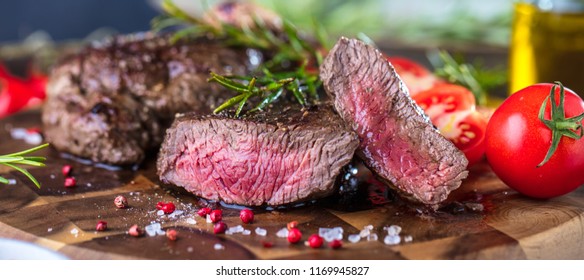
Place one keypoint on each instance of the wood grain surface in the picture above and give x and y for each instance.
(509, 227)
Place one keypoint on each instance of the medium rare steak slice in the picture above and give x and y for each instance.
(397, 140)
(276, 157)
(112, 102)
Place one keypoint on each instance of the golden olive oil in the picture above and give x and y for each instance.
(546, 46)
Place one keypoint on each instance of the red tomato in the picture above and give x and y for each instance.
(17, 94)
(451, 108)
(517, 141)
(416, 77)
(445, 98)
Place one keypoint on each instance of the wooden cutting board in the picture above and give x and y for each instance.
(510, 226)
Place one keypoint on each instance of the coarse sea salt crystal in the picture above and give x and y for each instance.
(261, 231)
(364, 233)
(392, 240)
(50, 229)
(282, 233)
(354, 238)
(372, 237)
(237, 229)
(408, 238)
(175, 214)
(393, 230)
(152, 229)
(246, 232)
(33, 138)
(18, 133)
(11, 181)
(159, 212)
(208, 219)
(218, 246)
(191, 221)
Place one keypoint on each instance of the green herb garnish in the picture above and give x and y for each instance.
(20, 158)
(477, 79)
(272, 79)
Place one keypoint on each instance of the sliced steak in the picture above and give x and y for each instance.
(397, 140)
(277, 157)
(113, 101)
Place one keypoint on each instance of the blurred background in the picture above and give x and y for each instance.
(33, 34)
(438, 21)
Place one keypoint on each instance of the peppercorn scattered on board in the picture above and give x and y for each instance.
(487, 221)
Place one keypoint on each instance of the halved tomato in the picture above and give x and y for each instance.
(416, 77)
(451, 109)
(444, 99)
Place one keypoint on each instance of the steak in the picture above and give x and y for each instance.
(397, 140)
(281, 156)
(112, 102)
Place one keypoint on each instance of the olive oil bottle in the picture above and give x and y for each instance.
(547, 44)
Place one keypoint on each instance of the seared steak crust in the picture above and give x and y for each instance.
(112, 102)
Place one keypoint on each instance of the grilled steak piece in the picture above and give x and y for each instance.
(113, 101)
(397, 140)
(276, 157)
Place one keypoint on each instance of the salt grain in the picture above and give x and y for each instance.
(218, 246)
(11, 181)
(282, 233)
(393, 230)
(50, 229)
(33, 138)
(190, 249)
(160, 213)
(152, 229)
(392, 240)
(372, 237)
(191, 221)
(18, 133)
(354, 238)
(209, 219)
(261, 231)
(408, 238)
(246, 232)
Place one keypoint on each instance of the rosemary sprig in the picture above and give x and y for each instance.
(20, 158)
(287, 46)
(476, 79)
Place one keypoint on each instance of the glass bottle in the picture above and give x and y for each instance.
(547, 44)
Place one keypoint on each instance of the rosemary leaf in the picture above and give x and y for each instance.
(27, 151)
(4, 180)
(26, 173)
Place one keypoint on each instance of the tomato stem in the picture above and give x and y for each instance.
(558, 123)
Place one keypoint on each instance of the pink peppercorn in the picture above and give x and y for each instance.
(246, 216)
(219, 227)
(336, 244)
(70, 182)
(66, 170)
(171, 234)
(135, 231)
(294, 235)
(121, 202)
(159, 205)
(203, 212)
(168, 208)
(216, 216)
(315, 241)
(101, 226)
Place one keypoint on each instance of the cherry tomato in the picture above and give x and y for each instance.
(416, 77)
(445, 98)
(517, 141)
(451, 109)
